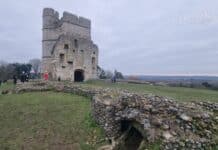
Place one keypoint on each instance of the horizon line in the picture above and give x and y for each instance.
(170, 75)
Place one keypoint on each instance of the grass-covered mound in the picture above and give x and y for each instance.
(47, 120)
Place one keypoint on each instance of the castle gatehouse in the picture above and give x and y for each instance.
(68, 52)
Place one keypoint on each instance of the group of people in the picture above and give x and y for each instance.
(24, 77)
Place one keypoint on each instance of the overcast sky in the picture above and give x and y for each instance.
(158, 37)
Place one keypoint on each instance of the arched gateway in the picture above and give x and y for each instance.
(78, 75)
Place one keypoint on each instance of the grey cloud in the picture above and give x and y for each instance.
(135, 37)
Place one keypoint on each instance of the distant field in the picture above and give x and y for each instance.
(47, 120)
(178, 93)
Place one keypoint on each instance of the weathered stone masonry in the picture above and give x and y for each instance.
(128, 117)
(68, 51)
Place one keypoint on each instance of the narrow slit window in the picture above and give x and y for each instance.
(76, 43)
(61, 57)
(93, 60)
(70, 62)
(66, 46)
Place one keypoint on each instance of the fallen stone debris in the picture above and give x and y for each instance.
(134, 121)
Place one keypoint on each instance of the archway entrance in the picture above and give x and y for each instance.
(131, 137)
(79, 76)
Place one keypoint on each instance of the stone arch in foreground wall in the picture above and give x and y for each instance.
(79, 75)
(131, 138)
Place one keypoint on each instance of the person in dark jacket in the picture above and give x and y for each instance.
(26, 77)
(22, 77)
(113, 79)
(15, 79)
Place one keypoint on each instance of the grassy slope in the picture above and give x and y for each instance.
(6, 86)
(46, 121)
(178, 93)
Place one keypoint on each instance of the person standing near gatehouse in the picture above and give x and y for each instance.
(45, 76)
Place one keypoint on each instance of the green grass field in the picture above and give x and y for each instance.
(47, 121)
(6, 86)
(177, 93)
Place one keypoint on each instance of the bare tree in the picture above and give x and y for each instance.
(35, 64)
(108, 74)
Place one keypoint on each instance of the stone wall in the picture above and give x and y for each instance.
(191, 125)
(51, 19)
(175, 125)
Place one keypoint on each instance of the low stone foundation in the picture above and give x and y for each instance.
(132, 121)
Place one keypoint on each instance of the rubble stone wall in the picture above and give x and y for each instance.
(178, 125)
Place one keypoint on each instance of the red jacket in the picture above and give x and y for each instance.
(45, 76)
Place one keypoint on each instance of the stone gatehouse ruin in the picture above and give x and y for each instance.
(68, 52)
